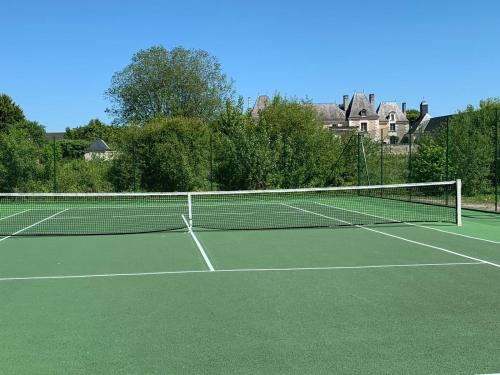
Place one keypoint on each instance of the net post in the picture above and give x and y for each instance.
(190, 212)
(459, 202)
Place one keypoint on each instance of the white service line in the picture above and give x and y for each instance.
(32, 225)
(198, 244)
(17, 213)
(398, 237)
(407, 223)
(92, 276)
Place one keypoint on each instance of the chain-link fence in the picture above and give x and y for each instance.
(465, 146)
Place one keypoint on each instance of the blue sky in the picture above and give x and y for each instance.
(57, 57)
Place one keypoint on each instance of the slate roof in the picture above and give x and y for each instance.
(330, 112)
(262, 102)
(436, 122)
(385, 108)
(358, 103)
(98, 146)
(56, 135)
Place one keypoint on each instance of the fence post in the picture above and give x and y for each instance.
(410, 140)
(381, 158)
(447, 166)
(54, 164)
(359, 158)
(211, 163)
(134, 164)
(497, 156)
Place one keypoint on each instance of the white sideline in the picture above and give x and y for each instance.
(198, 244)
(407, 223)
(398, 237)
(17, 213)
(105, 275)
(32, 225)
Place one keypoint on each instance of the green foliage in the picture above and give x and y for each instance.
(81, 176)
(296, 130)
(95, 129)
(73, 148)
(21, 158)
(160, 82)
(471, 149)
(286, 147)
(429, 165)
(10, 112)
(412, 114)
(245, 156)
(34, 131)
(166, 154)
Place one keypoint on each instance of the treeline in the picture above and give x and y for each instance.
(177, 127)
(464, 147)
(286, 146)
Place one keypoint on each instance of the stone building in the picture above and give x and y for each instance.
(388, 120)
(98, 150)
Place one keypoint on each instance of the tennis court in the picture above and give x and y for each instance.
(353, 282)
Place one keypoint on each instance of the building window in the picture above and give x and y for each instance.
(394, 140)
(392, 116)
(364, 127)
(362, 113)
(392, 127)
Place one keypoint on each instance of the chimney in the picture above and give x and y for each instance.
(248, 103)
(372, 99)
(424, 108)
(346, 102)
(403, 107)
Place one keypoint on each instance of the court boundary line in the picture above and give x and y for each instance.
(198, 245)
(411, 224)
(398, 237)
(32, 225)
(17, 213)
(231, 270)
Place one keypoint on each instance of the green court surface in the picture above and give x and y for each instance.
(380, 299)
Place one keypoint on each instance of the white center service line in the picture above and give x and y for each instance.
(198, 244)
(109, 275)
(32, 225)
(397, 237)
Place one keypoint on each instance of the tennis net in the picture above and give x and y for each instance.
(31, 214)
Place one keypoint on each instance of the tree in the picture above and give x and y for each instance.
(429, 165)
(286, 146)
(246, 156)
(10, 112)
(165, 154)
(305, 146)
(21, 162)
(412, 115)
(82, 176)
(471, 149)
(160, 82)
(95, 129)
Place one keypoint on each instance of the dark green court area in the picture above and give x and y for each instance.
(421, 298)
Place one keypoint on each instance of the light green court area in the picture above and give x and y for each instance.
(384, 299)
